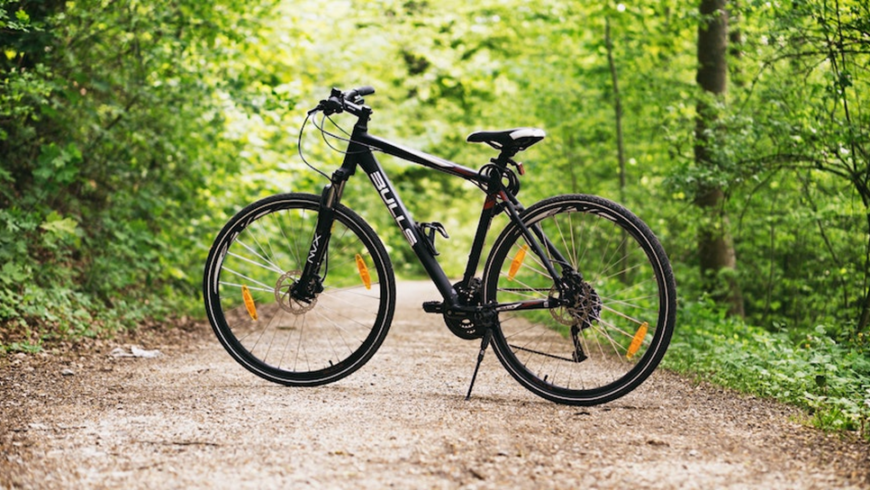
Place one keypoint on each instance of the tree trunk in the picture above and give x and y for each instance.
(712, 47)
(864, 318)
(620, 146)
(617, 106)
(735, 43)
(715, 247)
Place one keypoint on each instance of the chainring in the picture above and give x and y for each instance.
(463, 325)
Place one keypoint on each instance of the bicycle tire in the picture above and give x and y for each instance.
(260, 251)
(627, 292)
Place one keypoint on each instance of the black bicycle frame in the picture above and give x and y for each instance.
(360, 154)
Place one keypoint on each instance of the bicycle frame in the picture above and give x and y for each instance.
(360, 154)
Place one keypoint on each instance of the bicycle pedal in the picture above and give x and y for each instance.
(433, 307)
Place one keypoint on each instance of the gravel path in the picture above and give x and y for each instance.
(192, 418)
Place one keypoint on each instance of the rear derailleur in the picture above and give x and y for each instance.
(580, 308)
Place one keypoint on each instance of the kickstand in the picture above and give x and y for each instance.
(483, 345)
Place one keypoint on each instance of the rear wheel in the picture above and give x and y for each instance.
(617, 301)
(250, 273)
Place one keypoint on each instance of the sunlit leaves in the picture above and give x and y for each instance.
(146, 124)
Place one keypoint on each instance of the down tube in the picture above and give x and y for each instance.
(408, 226)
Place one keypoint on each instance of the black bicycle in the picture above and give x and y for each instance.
(576, 296)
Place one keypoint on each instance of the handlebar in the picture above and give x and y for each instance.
(359, 92)
(350, 101)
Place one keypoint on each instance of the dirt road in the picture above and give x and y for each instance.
(192, 418)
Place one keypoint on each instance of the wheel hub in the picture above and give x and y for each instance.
(580, 303)
(284, 294)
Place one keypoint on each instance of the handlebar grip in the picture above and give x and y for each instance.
(360, 91)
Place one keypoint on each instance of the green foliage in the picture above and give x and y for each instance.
(791, 157)
(812, 370)
(108, 131)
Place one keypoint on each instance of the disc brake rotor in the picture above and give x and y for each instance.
(581, 304)
(283, 296)
(560, 314)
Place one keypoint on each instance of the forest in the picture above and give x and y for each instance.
(739, 130)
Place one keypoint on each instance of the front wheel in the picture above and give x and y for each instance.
(249, 284)
(606, 326)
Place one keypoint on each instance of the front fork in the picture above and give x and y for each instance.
(310, 282)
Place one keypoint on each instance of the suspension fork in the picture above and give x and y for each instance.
(310, 282)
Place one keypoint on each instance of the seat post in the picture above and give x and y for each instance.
(504, 156)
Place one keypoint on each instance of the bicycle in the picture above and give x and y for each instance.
(576, 297)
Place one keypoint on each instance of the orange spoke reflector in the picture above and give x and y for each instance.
(637, 340)
(518, 261)
(249, 302)
(363, 271)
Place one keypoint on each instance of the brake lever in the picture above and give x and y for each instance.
(331, 106)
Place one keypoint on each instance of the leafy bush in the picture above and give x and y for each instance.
(108, 133)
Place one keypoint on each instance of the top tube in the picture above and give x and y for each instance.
(351, 102)
(419, 157)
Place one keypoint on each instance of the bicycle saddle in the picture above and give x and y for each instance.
(517, 139)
